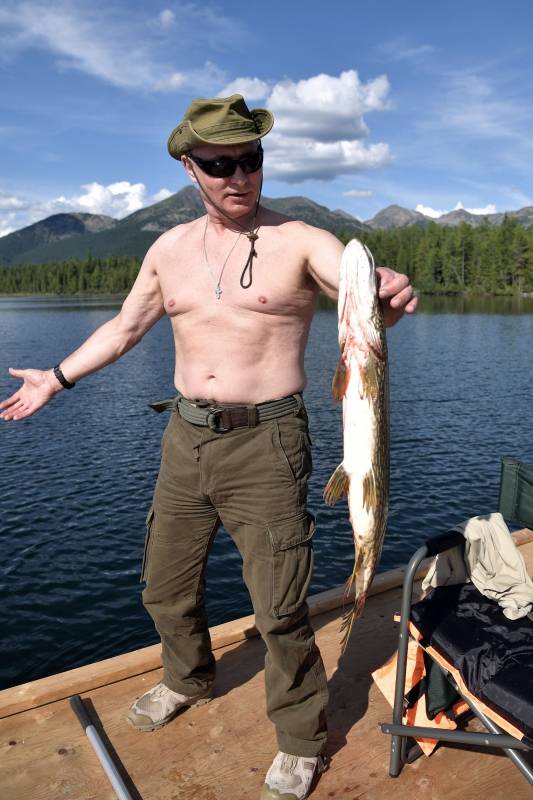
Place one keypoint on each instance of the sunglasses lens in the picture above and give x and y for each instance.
(219, 167)
(253, 162)
(224, 166)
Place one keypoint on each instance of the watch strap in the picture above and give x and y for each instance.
(61, 378)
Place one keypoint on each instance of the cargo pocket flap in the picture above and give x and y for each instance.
(288, 533)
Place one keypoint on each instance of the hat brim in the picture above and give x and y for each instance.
(184, 137)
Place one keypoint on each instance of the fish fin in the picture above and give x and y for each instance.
(340, 380)
(370, 380)
(375, 341)
(370, 494)
(337, 486)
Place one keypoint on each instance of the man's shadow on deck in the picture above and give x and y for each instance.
(373, 640)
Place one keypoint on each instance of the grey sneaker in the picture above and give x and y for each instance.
(159, 705)
(289, 777)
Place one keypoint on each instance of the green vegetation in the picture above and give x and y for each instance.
(488, 259)
(439, 260)
(107, 275)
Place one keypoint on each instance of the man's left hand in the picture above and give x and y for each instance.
(396, 294)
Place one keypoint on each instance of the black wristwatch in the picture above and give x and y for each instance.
(61, 378)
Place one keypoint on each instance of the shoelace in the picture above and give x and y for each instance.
(159, 691)
(289, 764)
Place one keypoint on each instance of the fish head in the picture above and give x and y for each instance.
(358, 281)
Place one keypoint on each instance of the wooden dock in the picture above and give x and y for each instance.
(221, 751)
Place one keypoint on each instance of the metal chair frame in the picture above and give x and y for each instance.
(399, 732)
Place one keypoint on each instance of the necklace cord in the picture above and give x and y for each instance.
(251, 234)
(218, 290)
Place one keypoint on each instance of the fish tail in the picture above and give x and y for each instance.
(351, 615)
(337, 486)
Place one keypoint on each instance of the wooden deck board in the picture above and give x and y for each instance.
(222, 750)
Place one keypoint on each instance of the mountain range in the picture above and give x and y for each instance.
(78, 235)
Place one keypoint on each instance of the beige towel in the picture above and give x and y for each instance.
(491, 561)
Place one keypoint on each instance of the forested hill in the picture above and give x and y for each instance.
(485, 259)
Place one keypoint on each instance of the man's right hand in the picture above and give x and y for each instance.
(38, 388)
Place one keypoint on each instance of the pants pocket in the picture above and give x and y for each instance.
(293, 448)
(292, 562)
(147, 544)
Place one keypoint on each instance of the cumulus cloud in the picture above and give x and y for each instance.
(250, 88)
(120, 45)
(327, 108)
(114, 200)
(319, 127)
(435, 214)
(162, 194)
(357, 193)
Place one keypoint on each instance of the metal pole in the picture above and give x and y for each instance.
(500, 740)
(100, 749)
(401, 664)
(519, 762)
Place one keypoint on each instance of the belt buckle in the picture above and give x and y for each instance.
(213, 419)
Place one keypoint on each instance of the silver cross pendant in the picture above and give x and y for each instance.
(218, 292)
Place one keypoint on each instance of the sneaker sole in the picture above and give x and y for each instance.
(154, 726)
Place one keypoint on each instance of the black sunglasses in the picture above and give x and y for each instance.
(224, 166)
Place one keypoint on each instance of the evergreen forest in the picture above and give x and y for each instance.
(439, 260)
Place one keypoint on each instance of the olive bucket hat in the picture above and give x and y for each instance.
(223, 120)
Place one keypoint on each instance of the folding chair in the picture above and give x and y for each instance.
(441, 623)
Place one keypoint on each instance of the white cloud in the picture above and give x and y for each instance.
(401, 50)
(319, 127)
(435, 214)
(357, 193)
(296, 160)
(119, 45)
(115, 200)
(167, 18)
(9, 202)
(478, 107)
(162, 194)
(429, 212)
(327, 108)
(250, 88)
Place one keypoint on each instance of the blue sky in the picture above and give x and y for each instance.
(375, 103)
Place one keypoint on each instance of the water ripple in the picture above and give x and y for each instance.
(77, 479)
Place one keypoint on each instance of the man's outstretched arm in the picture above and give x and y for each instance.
(140, 310)
(395, 292)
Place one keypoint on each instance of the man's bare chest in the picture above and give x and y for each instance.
(274, 281)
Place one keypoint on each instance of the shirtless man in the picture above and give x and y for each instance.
(239, 286)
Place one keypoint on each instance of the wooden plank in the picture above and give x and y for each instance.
(83, 679)
(223, 749)
(137, 662)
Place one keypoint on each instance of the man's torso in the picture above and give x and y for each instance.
(247, 346)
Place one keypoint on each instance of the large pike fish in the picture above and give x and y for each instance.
(361, 382)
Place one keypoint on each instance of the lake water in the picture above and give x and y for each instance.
(77, 478)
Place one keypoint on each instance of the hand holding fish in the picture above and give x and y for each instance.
(396, 295)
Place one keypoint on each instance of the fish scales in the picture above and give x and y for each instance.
(361, 381)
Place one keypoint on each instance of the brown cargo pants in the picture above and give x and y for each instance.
(254, 481)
